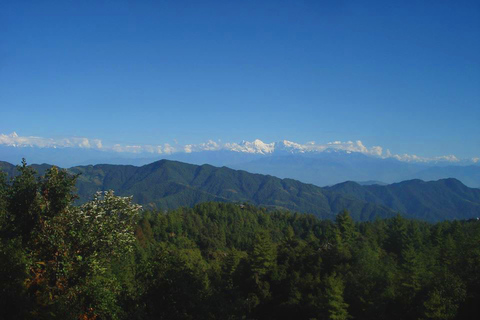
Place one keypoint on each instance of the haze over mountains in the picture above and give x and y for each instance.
(322, 165)
(170, 184)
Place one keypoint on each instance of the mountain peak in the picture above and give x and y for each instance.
(452, 183)
(256, 146)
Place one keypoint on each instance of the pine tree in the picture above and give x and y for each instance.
(335, 304)
(264, 254)
(346, 227)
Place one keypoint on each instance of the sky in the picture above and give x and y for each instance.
(404, 75)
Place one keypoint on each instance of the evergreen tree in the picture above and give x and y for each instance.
(346, 227)
(263, 254)
(335, 304)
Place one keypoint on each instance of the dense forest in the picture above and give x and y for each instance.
(164, 185)
(109, 259)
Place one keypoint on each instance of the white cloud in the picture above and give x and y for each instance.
(84, 143)
(210, 145)
(136, 148)
(351, 146)
(127, 148)
(254, 147)
(448, 158)
(97, 143)
(414, 158)
(376, 150)
(311, 146)
(257, 146)
(15, 140)
(152, 149)
(168, 149)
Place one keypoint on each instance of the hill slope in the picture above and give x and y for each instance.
(170, 184)
(432, 201)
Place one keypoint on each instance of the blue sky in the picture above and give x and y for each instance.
(404, 75)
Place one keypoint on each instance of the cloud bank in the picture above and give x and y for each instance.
(253, 147)
(15, 140)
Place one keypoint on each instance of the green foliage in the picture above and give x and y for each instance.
(346, 227)
(271, 265)
(56, 257)
(217, 260)
(445, 199)
(444, 299)
(23, 204)
(263, 254)
(14, 302)
(170, 184)
(336, 306)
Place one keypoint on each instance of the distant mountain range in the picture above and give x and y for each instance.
(324, 165)
(430, 201)
(335, 166)
(331, 168)
(170, 184)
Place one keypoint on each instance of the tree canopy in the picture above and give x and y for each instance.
(108, 259)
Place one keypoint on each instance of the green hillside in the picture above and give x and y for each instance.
(431, 201)
(168, 184)
(108, 259)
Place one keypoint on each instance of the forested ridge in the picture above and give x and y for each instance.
(164, 185)
(108, 259)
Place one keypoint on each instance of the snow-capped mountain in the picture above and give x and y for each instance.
(289, 147)
(311, 162)
(257, 146)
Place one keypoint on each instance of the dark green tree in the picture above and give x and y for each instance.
(335, 305)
